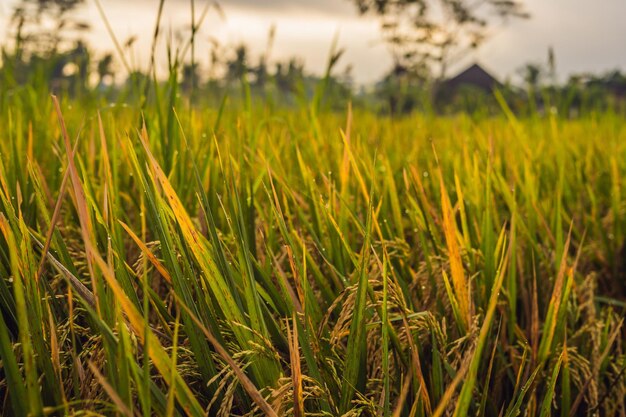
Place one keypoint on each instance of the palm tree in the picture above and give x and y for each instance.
(237, 67)
(105, 68)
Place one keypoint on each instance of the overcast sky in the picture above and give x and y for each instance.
(587, 35)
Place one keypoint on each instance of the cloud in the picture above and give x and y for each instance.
(323, 6)
(336, 8)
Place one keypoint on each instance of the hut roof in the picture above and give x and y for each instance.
(475, 76)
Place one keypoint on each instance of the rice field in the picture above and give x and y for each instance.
(257, 261)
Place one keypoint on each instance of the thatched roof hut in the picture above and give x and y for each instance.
(474, 76)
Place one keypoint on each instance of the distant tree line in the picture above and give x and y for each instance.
(46, 47)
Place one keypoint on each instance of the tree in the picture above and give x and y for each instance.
(289, 76)
(402, 89)
(532, 74)
(47, 40)
(237, 67)
(41, 26)
(105, 69)
(190, 76)
(429, 34)
(261, 71)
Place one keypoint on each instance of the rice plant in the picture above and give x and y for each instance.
(167, 259)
